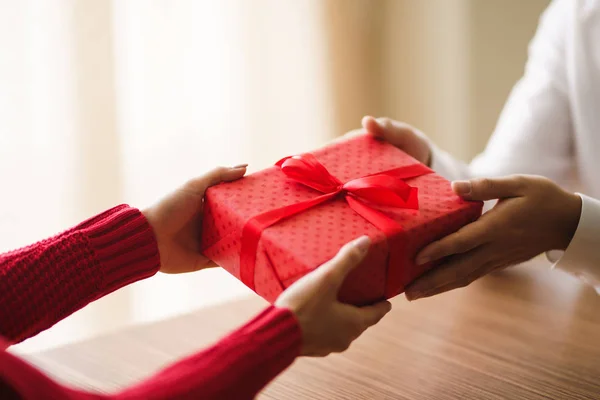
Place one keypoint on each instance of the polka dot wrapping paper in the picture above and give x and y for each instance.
(291, 248)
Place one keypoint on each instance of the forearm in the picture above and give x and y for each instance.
(47, 281)
(237, 367)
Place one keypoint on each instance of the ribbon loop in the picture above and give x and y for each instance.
(306, 169)
(384, 189)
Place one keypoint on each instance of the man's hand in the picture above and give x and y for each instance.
(329, 326)
(533, 216)
(403, 136)
(177, 221)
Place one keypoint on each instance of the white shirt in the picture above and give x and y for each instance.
(550, 125)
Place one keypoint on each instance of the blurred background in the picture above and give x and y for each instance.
(106, 102)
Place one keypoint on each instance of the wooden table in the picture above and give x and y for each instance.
(525, 333)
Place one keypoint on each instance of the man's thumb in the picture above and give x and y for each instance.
(489, 188)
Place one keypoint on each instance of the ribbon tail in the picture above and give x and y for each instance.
(254, 227)
(412, 203)
(407, 171)
(395, 267)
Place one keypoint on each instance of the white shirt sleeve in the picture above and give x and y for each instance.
(534, 136)
(534, 132)
(582, 257)
(448, 166)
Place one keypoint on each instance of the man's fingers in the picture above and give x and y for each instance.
(458, 272)
(491, 188)
(215, 176)
(334, 271)
(472, 277)
(394, 132)
(465, 239)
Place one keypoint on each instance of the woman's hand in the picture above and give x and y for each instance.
(329, 326)
(177, 221)
(533, 215)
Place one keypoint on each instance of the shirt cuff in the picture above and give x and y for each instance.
(582, 257)
(442, 163)
(447, 166)
(452, 169)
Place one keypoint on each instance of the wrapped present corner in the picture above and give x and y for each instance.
(274, 226)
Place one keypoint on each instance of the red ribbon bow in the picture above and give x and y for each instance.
(382, 189)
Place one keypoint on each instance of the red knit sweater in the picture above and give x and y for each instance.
(45, 282)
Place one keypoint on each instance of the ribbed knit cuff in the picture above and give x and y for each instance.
(124, 245)
(267, 344)
(279, 328)
(236, 367)
(272, 341)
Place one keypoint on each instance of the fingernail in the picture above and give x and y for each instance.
(388, 306)
(239, 166)
(412, 296)
(462, 188)
(362, 243)
(423, 258)
(417, 289)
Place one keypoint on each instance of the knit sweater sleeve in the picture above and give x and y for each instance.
(47, 281)
(237, 367)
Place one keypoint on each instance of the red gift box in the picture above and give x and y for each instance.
(272, 227)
